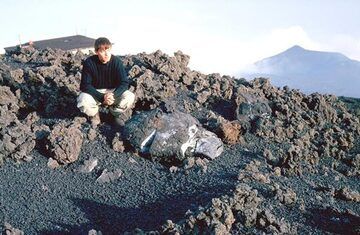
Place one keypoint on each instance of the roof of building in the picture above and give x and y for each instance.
(64, 43)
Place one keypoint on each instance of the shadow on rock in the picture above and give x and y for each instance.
(111, 219)
(225, 108)
(333, 221)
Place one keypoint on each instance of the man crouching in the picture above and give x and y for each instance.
(104, 82)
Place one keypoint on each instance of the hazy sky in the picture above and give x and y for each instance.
(220, 36)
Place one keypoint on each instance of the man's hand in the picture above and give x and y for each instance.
(109, 98)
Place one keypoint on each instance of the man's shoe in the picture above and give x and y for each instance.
(95, 120)
(118, 122)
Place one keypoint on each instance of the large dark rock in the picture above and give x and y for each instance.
(171, 136)
(17, 138)
(17, 141)
(8, 106)
(65, 141)
(251, 104)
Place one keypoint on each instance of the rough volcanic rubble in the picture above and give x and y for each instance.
(295, 135)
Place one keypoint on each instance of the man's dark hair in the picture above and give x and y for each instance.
(101, 42)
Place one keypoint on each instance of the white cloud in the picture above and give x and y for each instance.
(346, 44)
(209, 51)
(229, 55)
(277, 41)
(281, 39)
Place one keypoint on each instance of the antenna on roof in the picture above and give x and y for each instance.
(20, 41)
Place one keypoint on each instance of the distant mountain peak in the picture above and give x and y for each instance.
(297, 53)
(296, 47)
(312, 71)
(293, 51)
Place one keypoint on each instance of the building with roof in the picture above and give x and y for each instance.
(72, 43)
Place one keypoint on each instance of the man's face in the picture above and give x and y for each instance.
(104, 53)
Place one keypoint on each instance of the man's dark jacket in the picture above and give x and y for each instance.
(96, 75)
